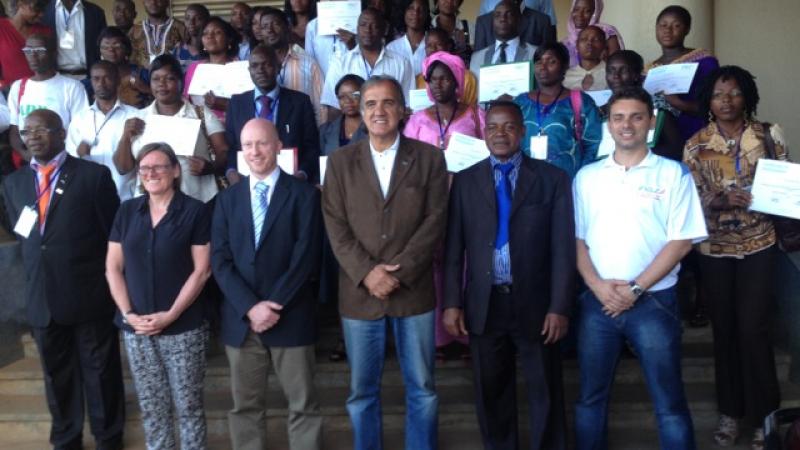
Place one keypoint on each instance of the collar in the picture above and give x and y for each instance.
(77, 5)
(392, 148)
(176, 204)
(270, 179)
(183, 112)
(511, 43)
(273, 94)
(516, 159)
(58, 161)
(648, 161)
(117, 105)
(357, 51)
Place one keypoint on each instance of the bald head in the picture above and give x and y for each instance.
(260, 147)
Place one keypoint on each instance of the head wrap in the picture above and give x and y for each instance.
(452, 62)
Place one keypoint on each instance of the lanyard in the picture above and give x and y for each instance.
(39, 193)
(282, 73)
(67, 16)
(737, 142)
(160, 39)
(105, 121)
(443, 131)
(547, 109)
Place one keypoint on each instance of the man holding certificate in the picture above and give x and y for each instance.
(511, 217)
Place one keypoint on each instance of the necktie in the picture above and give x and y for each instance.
(503, 57)
(259, 208)
(503, 194)
(44, 194)
(266, 108)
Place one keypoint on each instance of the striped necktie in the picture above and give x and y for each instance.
(259, 208)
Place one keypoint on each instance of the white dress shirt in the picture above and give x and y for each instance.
(511, 50)
(103, 132)
(384, 163)
(71, 23)
(388, 63)
(402, 47)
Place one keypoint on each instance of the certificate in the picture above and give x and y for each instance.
(225, 80)
(670, 78)
(776, 188)
(418, 99)
(323, 164)
(464, 151)
(287, 161)
(512, 79)
(600, 97)
(332, 15)
(179, 132)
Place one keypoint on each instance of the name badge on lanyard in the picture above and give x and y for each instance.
(539, 147)
(67, 41)
(27, 219)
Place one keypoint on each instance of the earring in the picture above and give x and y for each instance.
(710, 116)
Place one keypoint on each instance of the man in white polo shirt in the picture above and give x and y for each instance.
(636, 215)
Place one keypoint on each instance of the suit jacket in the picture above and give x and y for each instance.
(541, 240)
(404, 228)
(534, 28)
(296, 126)
(484, 57)
(329, 135)
(94, 20)
(65, 267)
(278, 269)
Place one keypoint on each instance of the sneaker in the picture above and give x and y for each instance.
(727, 431)
(758, 440)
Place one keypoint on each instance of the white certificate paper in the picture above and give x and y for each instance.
(323, 165)
(224, 80)
(179, 132)
(464, 151)
(670, 78)
(512, 79)
(287, 161)
(332, 15)
(600, 97)
(776, 188)
(418, 99)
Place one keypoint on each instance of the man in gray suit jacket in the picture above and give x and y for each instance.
(534, 28)
(507, 46)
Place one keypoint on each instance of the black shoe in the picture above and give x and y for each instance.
(698, 320)
(339, 353)
(110, 444)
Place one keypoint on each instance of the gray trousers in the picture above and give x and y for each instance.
(167, 369)
(294, 367)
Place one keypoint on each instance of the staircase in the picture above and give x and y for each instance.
(25, 422)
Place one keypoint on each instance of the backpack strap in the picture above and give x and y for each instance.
(576, 101)
(769, 144)
(16, 159)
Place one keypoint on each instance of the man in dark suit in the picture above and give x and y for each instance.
(385, 205)
(290, 111)
(534, 28)
(77, 25)
(507, 46)
(63, 208)
(511, 217)
(265, 245)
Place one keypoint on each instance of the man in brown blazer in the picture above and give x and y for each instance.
(385, 202)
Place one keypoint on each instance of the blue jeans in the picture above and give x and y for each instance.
(366, 347)
(653, 328)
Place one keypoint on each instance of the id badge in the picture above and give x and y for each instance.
(27, 220)
(67, 41)
(539, 147)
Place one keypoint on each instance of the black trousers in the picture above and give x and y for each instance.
(494, 356)
(82, 361)
(740, 305)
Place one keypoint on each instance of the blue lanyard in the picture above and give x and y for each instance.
(443, 131)
(67, 16)
(547, 109)
(731, 142)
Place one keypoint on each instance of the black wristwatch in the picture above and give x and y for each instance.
(636, 289)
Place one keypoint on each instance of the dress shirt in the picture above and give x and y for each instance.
(71, 22)
(41, 183)
(270, 180)
(273, 94)
(502, 256)
(626, 217)
(326, 50)
(388, 63)
(384, 163)
(511, 50)
(5, 114)
(301, 73)
(103, 132)
(402, 47)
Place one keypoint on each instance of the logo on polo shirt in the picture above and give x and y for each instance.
(651, 192)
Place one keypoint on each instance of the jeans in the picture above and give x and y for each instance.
(366, 346)
(653, 328)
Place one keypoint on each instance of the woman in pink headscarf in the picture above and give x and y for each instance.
(583, 14)
(444, 73)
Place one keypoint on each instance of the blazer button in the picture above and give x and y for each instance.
(383, 236)
(43, 247)
(386, 211)
(489, 273)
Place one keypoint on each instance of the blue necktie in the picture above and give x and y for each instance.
(503, 194)
(259, 208)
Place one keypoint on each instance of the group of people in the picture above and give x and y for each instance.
(122, 234)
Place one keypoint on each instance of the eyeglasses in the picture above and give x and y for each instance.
(111, 46)
(34, 50)
(159, 169)
(31, 132)
(352, 96)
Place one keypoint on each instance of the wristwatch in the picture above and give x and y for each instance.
(636, 289)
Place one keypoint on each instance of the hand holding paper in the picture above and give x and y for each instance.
(512, 79)
(464, 151)
(179, 132)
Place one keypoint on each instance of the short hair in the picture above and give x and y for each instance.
(380, 79)
(51, 118)
(632, 93)
(104, 65)
(269, 52)
(594, 28)
(166, 150)
(312, 11)
(630, 58)
(116, 33)
(200, 8)
(678, 11)
(746, 82)
(170, 63)
(444, 36)
(514, 7)
(349, 78)
(507, 104)
(270, 11)
(231, 35)
(38, 5)
(558, 49)
(379, 15)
